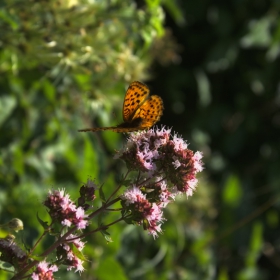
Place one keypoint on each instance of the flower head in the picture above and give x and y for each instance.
(157, 153)
(67, 256)
(14, 224)
(166, 168)
(141, 211)
(10, 251)
(72, 238)
(62, 209)
(44, 271)
(88, 190)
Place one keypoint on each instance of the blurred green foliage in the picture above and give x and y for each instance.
(65, 65)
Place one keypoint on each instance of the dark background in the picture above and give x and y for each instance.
(236, 116)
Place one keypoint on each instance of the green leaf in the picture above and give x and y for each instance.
(101, 194)
(126, 183)
(7, 105)
(7, 267)
(259, 33)
(8, 19)
(203, 88)
(104, 232)
(45, 225)
(49, 90)
(257, 240)
(232, 191)
(176, 12)
(77, 252)
(106, 235)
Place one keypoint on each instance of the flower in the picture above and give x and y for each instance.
(72, 238)
(88, 190)
(158, 192)
(14, 224)
(141, 211)
(132, 195)
(166, 168)
(141, 151)
(62, 209)
(157, 153)
(10, 251)
(44, 271)
(67, 256)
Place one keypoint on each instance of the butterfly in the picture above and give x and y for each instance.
(140, 110)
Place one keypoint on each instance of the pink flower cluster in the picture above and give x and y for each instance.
(167, 168)
(63, 210)
(142, 211)
(10, 251)
(44, 271)
(66, 255)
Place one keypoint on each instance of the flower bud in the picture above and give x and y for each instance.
(13, 225)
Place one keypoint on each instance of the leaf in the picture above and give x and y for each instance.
(232, 192)
(126, 183)
(77, 252)
(175, 11)
(49, 90)
(104, 230)
(106, 235)
(129, 220)
(8, 19)
(7, 105)
(43, 224)
(7, 267)
(101, 194)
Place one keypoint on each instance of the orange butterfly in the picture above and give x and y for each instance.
(140, 111)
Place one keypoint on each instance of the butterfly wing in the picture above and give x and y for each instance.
(135, 96)
(139, 110)
(149, 112)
